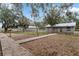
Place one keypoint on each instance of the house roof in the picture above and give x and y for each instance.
(48, 25)
(32, 27)
(63, 24)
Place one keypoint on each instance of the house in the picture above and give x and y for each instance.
(31, 28)
(1, 27)
(62, 27)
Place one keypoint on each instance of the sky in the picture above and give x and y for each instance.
(27, 11)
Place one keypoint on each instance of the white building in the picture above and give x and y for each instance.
(62, 27)
(31, 28)
(1, 27)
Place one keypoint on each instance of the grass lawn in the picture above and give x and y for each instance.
(31, 33)
(24, 35)
(59, 44)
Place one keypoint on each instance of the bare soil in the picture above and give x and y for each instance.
(20, 36)
(55, 45)
(24, 35)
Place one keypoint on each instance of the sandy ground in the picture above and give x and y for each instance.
(67, 45)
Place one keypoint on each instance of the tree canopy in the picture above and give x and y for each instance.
(52, 14)
(23, 22)
(9, 13)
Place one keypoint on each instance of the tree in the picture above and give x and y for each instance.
(57, 13)
(23, 23)
(34, 14)
(35, 11)
(40, 25)
(71, 16)
(77, 23)
(8, 15)
(53, 17)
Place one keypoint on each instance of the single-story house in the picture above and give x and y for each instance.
(62, 27)
(1, 27)
(31, 28)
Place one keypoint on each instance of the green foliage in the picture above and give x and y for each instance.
(52, 13)
(71, 16)
(57, 14)
(40, 25)
(8, 16)
(77, 27)
(52, 18)
(23, 23)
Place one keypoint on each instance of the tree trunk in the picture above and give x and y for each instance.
(10, 32)
(37, 31)
(23, 30)
(5, 29)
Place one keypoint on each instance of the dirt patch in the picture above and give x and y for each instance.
(24, 35)
(20, 37)
(54, 45)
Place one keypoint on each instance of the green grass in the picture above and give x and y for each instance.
(31, 33)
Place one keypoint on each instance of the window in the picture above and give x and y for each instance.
(68, 28)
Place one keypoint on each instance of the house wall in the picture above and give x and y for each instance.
(61, 29)
(68, 30)
(31, 29)
(49, 30)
